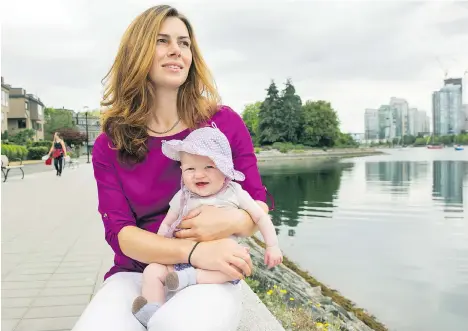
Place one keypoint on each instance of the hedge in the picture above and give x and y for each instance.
(47, 144)
(14, 151)
(36, 153)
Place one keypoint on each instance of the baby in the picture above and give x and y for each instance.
(208, 177)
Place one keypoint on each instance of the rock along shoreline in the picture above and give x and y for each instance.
(326, 305)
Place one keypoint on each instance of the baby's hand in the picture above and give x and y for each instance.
(273, 256)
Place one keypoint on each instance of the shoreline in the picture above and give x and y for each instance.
(369, 320)
(275, 155)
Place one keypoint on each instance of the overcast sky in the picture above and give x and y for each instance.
(355, 54)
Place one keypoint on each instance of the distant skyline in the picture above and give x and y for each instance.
(356, 55)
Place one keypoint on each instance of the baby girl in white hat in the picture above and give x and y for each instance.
(208, 177)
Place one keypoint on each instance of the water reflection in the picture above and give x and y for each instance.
(447, 181)
(306, 193)
(397, 175)
(390, 232)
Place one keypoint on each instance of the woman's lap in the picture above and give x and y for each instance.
(199, 307)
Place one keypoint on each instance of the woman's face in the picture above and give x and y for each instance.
(173, 55)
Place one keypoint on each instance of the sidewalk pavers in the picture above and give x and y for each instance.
(53, 249)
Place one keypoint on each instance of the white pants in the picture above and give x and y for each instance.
(208, 307)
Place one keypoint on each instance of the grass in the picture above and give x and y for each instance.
(292, 317)
(370, 320)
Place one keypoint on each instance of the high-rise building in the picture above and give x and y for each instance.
(447, 113)
(413, 122)
(455, 81)
(371, 124)
(465, 111)
(428, 124)
(421, 123)
(387, 122)
(401, 113)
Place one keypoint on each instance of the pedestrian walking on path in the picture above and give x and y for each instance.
(58, 152)
(159, 88)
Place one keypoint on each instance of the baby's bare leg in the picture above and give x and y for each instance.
(177, 280)
(152, 287)
(153, 295)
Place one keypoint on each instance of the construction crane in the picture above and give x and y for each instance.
(444, 69)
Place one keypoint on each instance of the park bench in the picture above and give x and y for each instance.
(6, 167)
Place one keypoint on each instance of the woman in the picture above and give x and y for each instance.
(58, 152)
(159, 88)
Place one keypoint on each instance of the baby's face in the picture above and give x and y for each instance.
(200, 174)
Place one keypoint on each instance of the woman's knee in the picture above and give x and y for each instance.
(110, 309)
(210, 307)
(155, 270)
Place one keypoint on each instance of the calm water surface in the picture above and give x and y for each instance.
(389, 232)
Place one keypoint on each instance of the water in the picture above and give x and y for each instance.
(390, 232)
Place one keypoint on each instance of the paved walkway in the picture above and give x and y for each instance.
(54, 254)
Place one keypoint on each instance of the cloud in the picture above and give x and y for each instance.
(355, 54)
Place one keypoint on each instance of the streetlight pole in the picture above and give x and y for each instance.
(85, 108)
(87, 136)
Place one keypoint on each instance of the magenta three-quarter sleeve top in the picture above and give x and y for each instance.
(139, 195)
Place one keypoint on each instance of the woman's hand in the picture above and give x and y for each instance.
(224, 255)
(208, 223)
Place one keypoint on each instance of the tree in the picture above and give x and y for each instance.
(56, 119)
(320, 124)
(345, 139)
(291, 113)
(270, 117)
(447, 140)
(250, 117)
(420, 141)
(408, 139)
(22, 137)
(72, 136)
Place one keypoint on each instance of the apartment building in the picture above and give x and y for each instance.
(371, 124)
(448, 117)
(26, 111)
(5, 105)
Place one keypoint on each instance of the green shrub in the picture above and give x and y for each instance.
(257, 150)
(283, 147)
(14, 151)
(36, 153)
(42, 143)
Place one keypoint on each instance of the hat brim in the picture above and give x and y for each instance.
(173, 148)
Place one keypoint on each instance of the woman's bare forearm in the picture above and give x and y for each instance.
(148, 247)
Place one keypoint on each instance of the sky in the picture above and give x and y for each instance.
(354, 54)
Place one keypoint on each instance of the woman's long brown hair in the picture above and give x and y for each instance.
(129, 91)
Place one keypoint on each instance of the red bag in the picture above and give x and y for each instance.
(57, 153)
(48, 161)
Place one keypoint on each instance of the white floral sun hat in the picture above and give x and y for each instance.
(206, 141)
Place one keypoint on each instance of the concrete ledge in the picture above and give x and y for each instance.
(255, 315)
